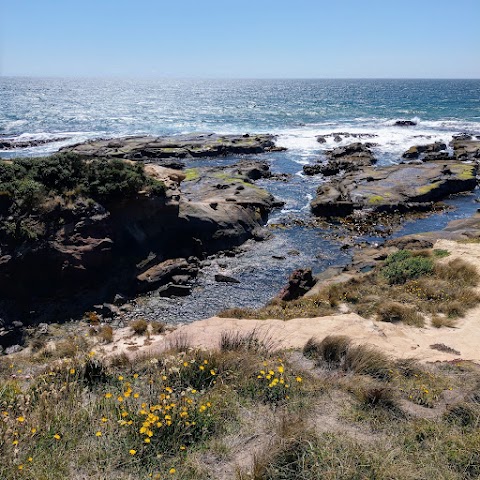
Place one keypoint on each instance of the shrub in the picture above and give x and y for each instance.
(463, 415)
(458, 271)
(403, 265)
(374, 397)
(312, 348)
(249, 341)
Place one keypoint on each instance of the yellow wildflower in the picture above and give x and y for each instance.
(172, 471)
(21, 419)
(56, 436)
(132, 452)
(98, 434)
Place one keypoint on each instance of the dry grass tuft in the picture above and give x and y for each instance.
(439, 322)
(157, 327)
(251, 341)
(139, 326)
(106, 334)
(365, 360)
(393, 312)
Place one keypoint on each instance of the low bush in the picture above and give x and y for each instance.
(404, 265)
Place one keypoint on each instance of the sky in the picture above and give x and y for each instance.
(241, 39)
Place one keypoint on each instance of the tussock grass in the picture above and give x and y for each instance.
(393, 312)
(255, 341)
(139, 326)
(365, 360)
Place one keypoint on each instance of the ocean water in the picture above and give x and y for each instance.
(294, 110)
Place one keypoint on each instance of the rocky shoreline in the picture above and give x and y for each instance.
(99, 252)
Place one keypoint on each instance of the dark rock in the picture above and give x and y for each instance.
(349, 158)
(278, 257)
(405, 123)
(299, 283)
(321, 139)
(293, 252)
(12, 143)
(225, 278)
(161, 274)
(119, 300)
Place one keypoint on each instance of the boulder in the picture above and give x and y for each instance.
(219, 277)
(299, 283)
(162, 273)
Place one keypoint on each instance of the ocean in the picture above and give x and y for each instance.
(295, 110)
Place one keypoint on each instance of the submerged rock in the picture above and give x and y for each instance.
(405, 123)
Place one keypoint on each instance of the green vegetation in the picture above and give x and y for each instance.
(29, 180)
(33, 186)
(245, 411)
(404, 265)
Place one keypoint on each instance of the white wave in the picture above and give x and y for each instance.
(390, 141)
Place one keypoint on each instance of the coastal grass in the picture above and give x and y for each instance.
(239, 412)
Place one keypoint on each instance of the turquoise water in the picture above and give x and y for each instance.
(295, 110)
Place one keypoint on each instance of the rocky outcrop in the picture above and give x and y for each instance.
(176, 147)
(349, 158)
(466, 147)
(432, 151)
(397, 188)
(78, 252)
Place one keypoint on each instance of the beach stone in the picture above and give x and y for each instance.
(430, 149)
